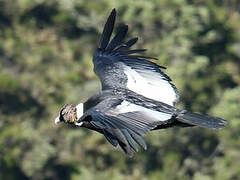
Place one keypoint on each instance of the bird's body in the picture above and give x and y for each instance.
(136, 96)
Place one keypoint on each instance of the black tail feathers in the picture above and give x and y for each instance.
(201, 120)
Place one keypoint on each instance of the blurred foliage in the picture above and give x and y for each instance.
(45, 61)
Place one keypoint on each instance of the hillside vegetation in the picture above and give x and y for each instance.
(46, 52)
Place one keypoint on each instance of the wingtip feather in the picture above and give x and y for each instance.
(118, 38)
(107, 30)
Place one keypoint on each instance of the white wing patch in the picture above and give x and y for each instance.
(126, 107)
(151, 85)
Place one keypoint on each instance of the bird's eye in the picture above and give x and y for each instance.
(62, 112)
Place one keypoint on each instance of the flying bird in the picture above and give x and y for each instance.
(136, 96)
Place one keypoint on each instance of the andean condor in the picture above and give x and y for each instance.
(136, 96)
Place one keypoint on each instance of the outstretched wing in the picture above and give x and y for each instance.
(124, 123)
(118, 66)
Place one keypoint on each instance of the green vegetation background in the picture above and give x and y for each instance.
(45, 61)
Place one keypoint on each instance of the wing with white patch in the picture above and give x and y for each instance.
(119, 67)
(125, 123)
(150, 82)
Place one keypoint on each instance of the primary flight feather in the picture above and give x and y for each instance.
(136, 96)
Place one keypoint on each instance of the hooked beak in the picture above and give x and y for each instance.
(57, 120)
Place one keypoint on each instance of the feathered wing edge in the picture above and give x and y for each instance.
(117, 44)
(107, 30)
(118, 132)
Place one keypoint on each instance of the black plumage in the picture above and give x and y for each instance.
(126, 127)
(136, 95)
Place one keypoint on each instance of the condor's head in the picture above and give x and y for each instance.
(70, 114)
